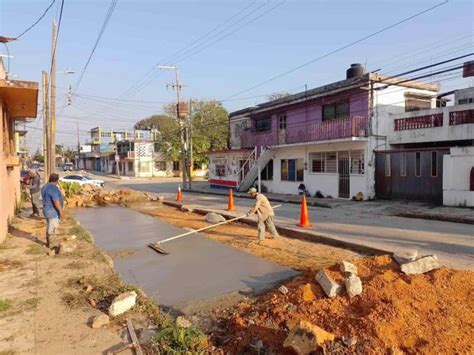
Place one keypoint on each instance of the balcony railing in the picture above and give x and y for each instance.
(461, 117)
(428, 121)
(355, 126)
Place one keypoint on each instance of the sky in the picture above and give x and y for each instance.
(222, 48)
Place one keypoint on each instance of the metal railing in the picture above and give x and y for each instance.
(461, 117)
(427, 121)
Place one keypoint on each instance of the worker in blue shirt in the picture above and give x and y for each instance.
(52, 207)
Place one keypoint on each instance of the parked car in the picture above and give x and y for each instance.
(83, 180)
(68, 167)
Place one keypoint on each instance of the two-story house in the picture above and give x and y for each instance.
(323, 138)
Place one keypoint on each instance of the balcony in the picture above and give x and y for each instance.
(451, 123)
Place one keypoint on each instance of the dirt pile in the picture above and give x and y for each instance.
(91, 196)
(428, 313)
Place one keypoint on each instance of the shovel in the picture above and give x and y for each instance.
(157, 246)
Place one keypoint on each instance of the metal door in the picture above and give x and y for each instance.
(344, 174)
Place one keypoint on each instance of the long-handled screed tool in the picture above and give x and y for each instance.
(157, 246)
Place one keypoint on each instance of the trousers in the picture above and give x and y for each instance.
(266, 224)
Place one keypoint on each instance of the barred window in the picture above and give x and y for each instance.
(323, 162)
(357, 162)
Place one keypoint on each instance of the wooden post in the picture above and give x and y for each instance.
(52, 161)
(46, 125)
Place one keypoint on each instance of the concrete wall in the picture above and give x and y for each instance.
(326, 183)
(9, 176)
(229, 177)
(456, 177)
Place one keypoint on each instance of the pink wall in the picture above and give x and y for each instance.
(299, 117)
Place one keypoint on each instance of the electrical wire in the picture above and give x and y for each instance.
(339, 49)
(37, 21)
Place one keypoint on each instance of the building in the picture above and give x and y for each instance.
(18, 101)
(131, 152)
(323, 138)
(431, 156)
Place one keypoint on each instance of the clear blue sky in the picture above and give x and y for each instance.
(144, 33)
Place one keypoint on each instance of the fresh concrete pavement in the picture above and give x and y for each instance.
(365, 224)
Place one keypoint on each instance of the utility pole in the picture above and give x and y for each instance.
(178, 88)
(78, 146)
(53, 102)
(190, 141)
(46, 124)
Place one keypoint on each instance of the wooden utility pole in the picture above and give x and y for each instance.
(190, 142)
(53, 101)
(46, 124)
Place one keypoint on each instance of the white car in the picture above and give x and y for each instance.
(82, 180)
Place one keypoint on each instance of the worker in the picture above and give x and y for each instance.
(52, 207)
(265, 214)
(35, 190)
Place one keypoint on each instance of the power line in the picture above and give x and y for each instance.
(339, 49)
(37, 21)
(107, 18)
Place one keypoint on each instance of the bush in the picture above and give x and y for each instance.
(70, 188)
(175, 339)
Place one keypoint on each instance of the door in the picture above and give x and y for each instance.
(282, 129)
(344, 175)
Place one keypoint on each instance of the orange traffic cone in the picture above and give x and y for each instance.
(230, 205)
(304, 216)
(179, 196)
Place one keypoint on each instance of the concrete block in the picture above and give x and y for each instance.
(306, 338)
(214, 218)
(100, 321)
(353, 285)
(422, 265)
(330, 287)
(283, 289)
(405, 256)
(348, 268)
(122, 303)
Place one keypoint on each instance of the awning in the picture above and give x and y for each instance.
(21, 97)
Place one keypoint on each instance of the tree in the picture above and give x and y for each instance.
(38, 156)
(277, 95)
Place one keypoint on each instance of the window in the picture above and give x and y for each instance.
(403, 164)
(323, 162)
(292, 169)
(282, 121)
(267, 172)
(388, 165)
(263, 124)
(418, 164)
(176, 165)
(160, 165)
(417, 102)
(357, 162)
(336, 110)
(434, 164)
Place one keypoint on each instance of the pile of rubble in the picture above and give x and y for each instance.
(91, 196)
(371, 305)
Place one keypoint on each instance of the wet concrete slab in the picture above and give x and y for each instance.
(196, 269)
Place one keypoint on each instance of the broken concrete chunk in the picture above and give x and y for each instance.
(67, 247)
(183, 322)
(100, 321)
(405, 256)
(330, 287)
(348, 268)
(353, 285)
(122, 303)
(213, 218)
(422, 265)
(309, 292)
(283, 289)
(185, 208)
(306, 338)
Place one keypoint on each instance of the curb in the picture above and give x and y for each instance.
(297, 234)
(273, 199)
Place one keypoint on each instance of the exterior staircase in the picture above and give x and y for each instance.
(248, 179)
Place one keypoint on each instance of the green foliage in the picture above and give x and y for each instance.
(70, 188)
(38, 156)
(36, 249)
(5, 305)
(80, 233)
(177, 340)
(25, 196)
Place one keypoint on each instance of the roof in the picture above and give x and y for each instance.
(334, 88)
(21, 97)
(229, 151)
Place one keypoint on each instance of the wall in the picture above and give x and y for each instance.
(231, 161)
(456, 177)
(326, 183)
(9, 177)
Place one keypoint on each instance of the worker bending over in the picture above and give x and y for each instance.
(265, 214)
